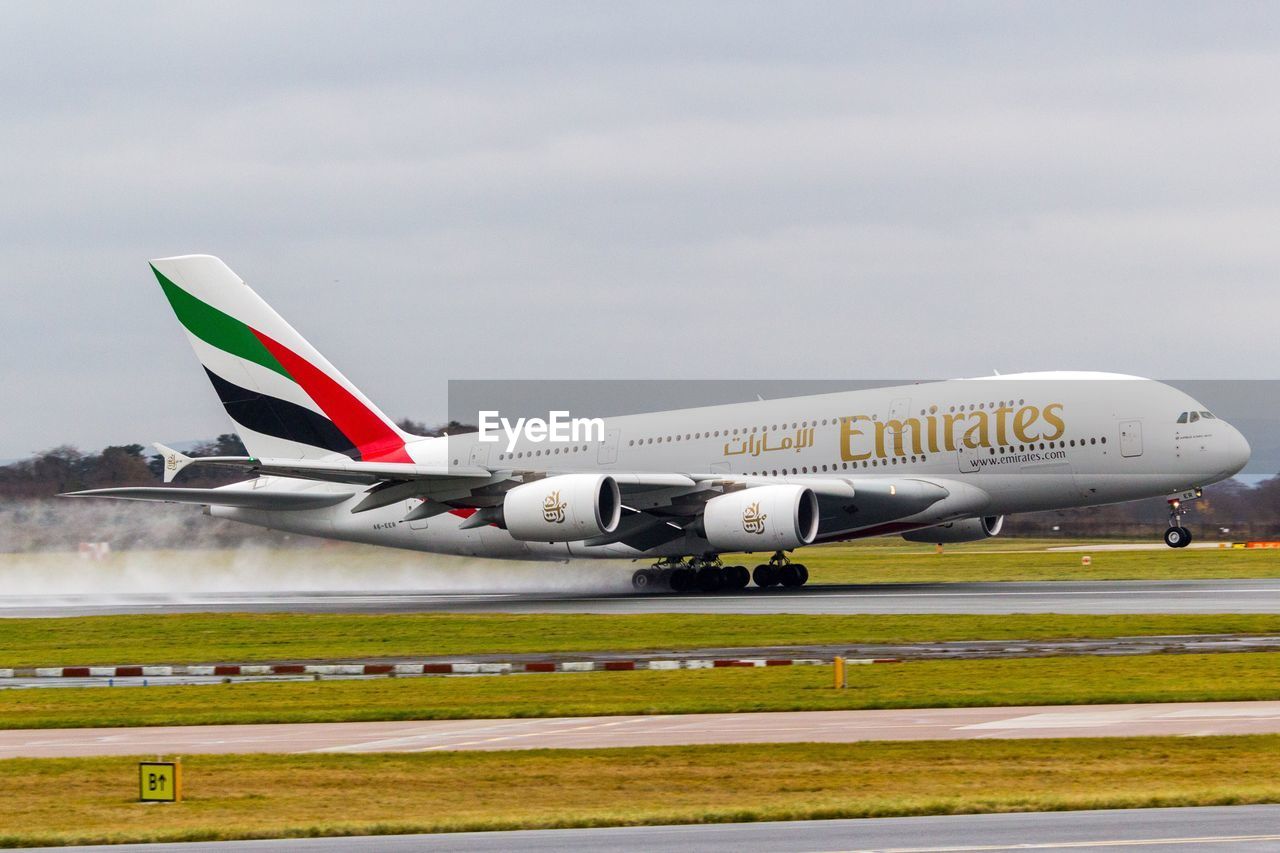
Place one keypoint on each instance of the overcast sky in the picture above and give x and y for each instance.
(632, 190)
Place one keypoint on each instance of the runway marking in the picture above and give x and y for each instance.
(535, 728)
(1060, 845)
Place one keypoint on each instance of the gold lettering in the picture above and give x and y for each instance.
(1053, 418)
(980, 429)
(1001, 436)
(1024, 418)
(949, 422)
(847, 432)
(897, 428)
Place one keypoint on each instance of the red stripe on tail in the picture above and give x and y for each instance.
(373, 438)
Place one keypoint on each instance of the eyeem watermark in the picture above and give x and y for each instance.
(559, 426)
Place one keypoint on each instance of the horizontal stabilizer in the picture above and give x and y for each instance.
(359, 473)
(257, 499)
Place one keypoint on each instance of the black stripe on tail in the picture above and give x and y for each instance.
(280, 418)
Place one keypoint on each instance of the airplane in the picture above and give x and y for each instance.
(936, 462)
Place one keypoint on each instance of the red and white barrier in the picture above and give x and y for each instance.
(426, 668)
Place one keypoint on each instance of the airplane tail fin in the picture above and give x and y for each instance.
(286, 400)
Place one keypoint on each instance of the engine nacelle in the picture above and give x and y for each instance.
(767, 518)
(965, 530)
(567, 508)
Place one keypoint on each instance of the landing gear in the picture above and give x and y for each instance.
(780, 571)
(737, 577)
(710, 578)
(1178, 536)
(705, 574)
(644, 580)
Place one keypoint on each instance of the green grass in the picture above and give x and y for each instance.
(965, 683)
(69, 801)
(1025, 560)
(247, 638)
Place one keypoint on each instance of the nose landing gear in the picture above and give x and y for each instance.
(1178, 536)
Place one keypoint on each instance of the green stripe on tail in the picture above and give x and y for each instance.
(218, 329)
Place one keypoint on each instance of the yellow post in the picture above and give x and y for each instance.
(841, 679)
(938, 548)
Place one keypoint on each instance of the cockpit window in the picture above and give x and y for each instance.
(1208, 416)
(1182, 418)
(1195, 416)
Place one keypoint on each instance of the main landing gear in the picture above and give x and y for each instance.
(708, 574)
(1178, 536)
(780, 571)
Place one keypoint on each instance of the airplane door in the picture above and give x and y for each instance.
(1131, 438)
(900, 408)
(609, 447)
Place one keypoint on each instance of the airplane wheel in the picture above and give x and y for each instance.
(710, 578)
(737, 577)
(682, 580)
(764, 576)
(804, 572)
(1177, 537)
(790, 576)
(644, 580)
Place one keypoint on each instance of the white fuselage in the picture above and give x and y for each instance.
(1010, 444)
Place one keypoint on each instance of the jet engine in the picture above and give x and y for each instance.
(965, 530)
(567, 508)
(767, 518)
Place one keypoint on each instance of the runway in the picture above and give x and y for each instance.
(1227, 828)
(1099, 597)
(1191, 718)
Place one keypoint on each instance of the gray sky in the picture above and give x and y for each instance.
(592, 190)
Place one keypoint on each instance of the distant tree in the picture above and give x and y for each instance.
(412, 427)
(227, 444)
(419, 428)
(119, 465)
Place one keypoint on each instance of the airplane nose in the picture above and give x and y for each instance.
(1235, 451)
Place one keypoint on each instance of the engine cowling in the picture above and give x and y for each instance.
(965, 530)
(766, 518)
(567, 508)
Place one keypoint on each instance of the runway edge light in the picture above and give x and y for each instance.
(160, 781)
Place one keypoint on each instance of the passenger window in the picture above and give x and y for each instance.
(1182, 418)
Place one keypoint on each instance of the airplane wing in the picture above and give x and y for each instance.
(257, 499)
(657, 506)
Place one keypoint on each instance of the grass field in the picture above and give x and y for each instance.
(895, 561)
(247, 638)
(918, 684)
(59, 801)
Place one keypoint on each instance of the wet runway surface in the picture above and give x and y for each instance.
(1247, 828)
(1174, 718)
(1101, 597)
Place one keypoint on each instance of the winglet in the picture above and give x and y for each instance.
(173, 461)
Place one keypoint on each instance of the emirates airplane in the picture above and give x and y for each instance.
(935, 462)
